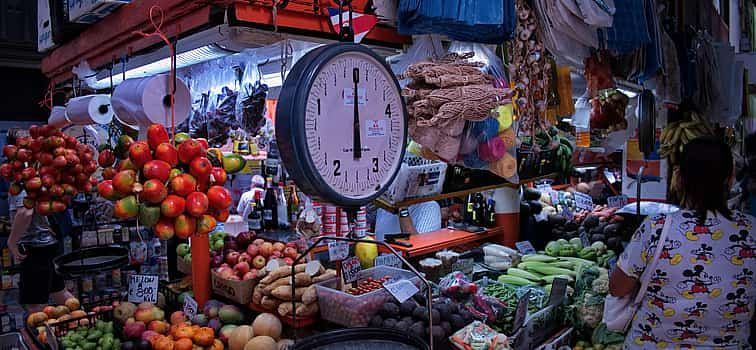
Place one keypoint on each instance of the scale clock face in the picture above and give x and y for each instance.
(341, 124)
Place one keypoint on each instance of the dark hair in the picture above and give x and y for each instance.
(705, 169)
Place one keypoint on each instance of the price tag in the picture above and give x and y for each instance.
(143, 288)
(521, 311)
(558, 291)
(554, 197)
(272, 265)
(190, 307)
(583, 201)
(585, 240)
(313, 267)
(338, 250)
(401, 290)
(617, 201)
(350, 269)
(387, 260)
(544, 188)
(525, 247)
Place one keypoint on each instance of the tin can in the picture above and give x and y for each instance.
(330, 209)
(360, 223)
(360, 232)
(329, 229)
(329, 218)
(318, 209)
(344, 230)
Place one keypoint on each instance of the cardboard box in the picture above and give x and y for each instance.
(91, 11)
(237, 291)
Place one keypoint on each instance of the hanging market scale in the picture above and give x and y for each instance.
(341, 124)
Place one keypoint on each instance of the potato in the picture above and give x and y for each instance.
(270, 303)
(310, 295)
(284, 293)
(328, 274)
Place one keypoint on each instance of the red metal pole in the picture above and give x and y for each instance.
(201, 269)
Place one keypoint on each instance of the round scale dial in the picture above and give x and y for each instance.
(341, 124)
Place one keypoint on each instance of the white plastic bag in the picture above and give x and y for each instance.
(423, 46)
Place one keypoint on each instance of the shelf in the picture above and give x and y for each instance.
(394, 207)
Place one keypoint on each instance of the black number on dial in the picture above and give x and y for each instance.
(388, 111)
(375, 165)
(336, 167)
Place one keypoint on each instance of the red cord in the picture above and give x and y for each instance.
(47, 101)
(158, 32)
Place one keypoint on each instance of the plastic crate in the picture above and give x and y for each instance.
(357, 310)
(12, 340)
(418, 177)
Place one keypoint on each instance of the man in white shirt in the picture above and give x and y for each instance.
(256, 185)
(417, 219)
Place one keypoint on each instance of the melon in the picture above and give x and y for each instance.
(239, 337)
(233, 163)
(262, 342)
(267, 324)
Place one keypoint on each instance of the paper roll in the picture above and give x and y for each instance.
(90, 109)
(145, 101)
(58, 117)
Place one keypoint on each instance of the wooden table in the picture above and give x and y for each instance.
(431, 242)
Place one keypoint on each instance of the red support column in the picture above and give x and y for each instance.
(201, 269)
(507, 216)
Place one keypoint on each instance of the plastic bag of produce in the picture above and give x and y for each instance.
(423, 46)
(457, 286)
(478, 336)
(250, 105)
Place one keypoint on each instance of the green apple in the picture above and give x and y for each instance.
(188, 258)
(218, 236)
(217, 246)
(183, 249)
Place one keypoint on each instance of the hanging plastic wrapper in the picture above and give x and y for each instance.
(250, 106)
(457, 114)
(423, 46)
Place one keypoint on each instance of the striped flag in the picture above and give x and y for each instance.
(362, 23)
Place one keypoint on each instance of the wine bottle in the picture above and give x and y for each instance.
(270, 206)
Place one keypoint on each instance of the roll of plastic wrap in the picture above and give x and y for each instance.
(58, 117)
(145, 101)
(90, 109)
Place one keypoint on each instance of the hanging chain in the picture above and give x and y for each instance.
(346, 32)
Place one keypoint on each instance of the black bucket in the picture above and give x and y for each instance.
(362, 339)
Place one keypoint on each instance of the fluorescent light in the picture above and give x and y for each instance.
(630, 94)
(273, 79)
(184, 59)
(566, 120)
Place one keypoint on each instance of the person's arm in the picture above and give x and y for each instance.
(633, 261)
(405, 222)
(20, 222)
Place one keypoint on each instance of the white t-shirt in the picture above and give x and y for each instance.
(425, 216)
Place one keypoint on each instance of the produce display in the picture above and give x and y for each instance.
(499, 257)
(101, 336)
(263, 334)
(368, 285)
(274, 291)
(175, 189)
(412, 316)
(51, 167)
(252, 253)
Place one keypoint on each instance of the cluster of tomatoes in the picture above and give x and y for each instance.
(50, 166)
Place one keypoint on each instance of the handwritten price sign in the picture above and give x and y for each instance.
(350, 269)
(583, 201)
(338, 250)
(143, 288)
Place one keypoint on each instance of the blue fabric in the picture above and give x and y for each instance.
(629, 31)
(482, 21)
(653, 49)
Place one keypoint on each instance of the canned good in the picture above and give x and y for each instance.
(329, 218)
(360, 232)
(329, 229)
(330, 209)
(360, 223)
(344, 230)
(318, 208)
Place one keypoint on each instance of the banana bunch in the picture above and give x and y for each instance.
(677, 134)
(564, 157)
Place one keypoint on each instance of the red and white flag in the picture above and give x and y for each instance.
(361, 22)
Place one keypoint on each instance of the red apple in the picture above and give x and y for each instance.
(108, 173)
(245, 257)
(232, 258)
(276, 254)
(9, 151)
(203, 142)
(188, 150)
(172, 206)
(29, 173)
(33, 184)
(167, 153)
(219, 197)
(224, 271)
(252, 274)
(200, 167)
(278, 246)
(123, 181)
(241, 268)
(288, 261)
(156, 169)
(164, 228)
(45, 158)
(258, 242)
(153, 191)
(183, 184)
(196, 204)
(139, 153)
(156, 134)
(253, 250)
(218, 176)
(290, 252)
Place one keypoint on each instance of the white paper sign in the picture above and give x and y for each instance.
(401, 290)
(143, 288)
(350, 269)
(544, 188)
(583, 201)
(617, 201)
(338, 250)
(190, 307)
(525, 247)
(387, 260)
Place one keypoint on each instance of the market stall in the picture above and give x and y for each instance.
(318, 174)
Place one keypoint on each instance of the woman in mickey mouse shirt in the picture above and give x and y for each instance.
(701, 292)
